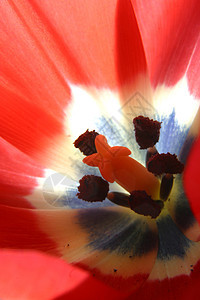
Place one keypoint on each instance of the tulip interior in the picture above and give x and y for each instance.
(152, 224)
(147, 190)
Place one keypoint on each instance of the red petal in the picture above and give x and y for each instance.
(18, 176)
(93, 37)
(176, 272)
(181, 287)
(29, 59)
(31, 275)
(192, 178)
(32, 129)
(34, 92)
(193, 71)
(129, 240)
(170, 31)
(47, 44)
(24, 183)
(130, 57)
(181, 213)
(19, 229)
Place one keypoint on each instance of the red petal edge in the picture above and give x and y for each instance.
(40, 276)
(170, 33)
(192, 179)
(182, 287)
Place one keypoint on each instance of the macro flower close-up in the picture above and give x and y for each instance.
(99, 165)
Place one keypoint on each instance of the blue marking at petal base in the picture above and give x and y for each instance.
(119, 135)
(172, 242)
(172, 135)
(59, 190)
(70, 199)
(185, 150)
(183, 215)
(115, 231)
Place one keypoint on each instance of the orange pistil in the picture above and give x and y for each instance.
(115, 164)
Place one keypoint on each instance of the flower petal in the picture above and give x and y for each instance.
(192, 178)
(19, 229)
(105, 241)
(30, 61)
(41, 276)
(24, 183)
(170, 33)
(52, 50)
(180, 287)
(80, 43)
(176, 272)
(33, 130)
(19, 175)
(109, 241)
(193, 70)
(180, 211)
(94, 37)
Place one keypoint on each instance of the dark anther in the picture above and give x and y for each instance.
(143, 204)
(166, 186)
(119, 198)
(165, 163)
(92, 188)
(147, 131)
(85, 142)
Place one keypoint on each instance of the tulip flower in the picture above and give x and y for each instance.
(70, 66)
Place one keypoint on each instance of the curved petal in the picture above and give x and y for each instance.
(179, 287)
(40, 276)
(33, 129)
(24, 183)
(19, 229)
(105, 241)
(33, 91)
(51, 51)
(70, 42)
(176, 272)
(180, 211)
(19, 174)
(109, 241)
(192, 178)
(170, 33)
(193, 70)
(87, 36)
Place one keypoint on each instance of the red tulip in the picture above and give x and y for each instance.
(70, 65)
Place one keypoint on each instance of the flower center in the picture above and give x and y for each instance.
(115, 164)
(147, 187)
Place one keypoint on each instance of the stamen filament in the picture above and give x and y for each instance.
(119, 198)
(166, 186)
